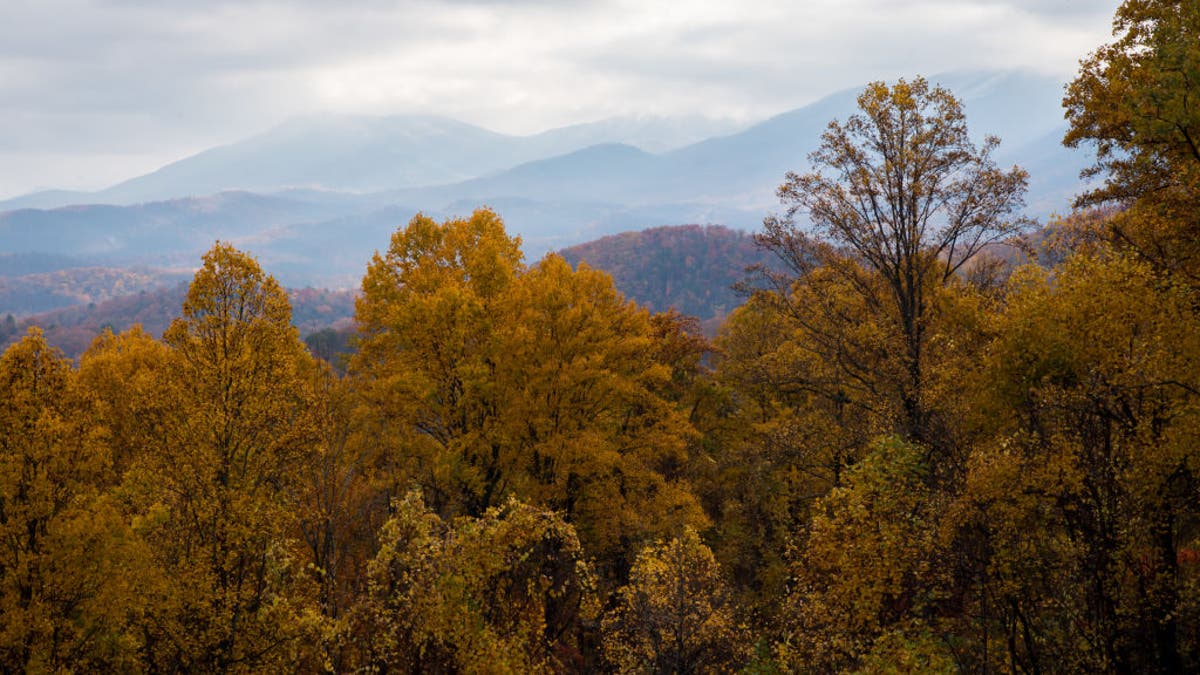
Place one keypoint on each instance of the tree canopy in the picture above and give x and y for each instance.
(888, 460)
(1135, 102)
(899, 200)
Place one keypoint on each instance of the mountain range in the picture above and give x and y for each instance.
(314, 197)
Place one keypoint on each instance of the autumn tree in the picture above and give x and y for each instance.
(121, 379)
(589, 426)
(867, 571)
(675, 614)
(510, 591)
(1084, 511)
(67, 600)
(771, 447)
(1135, 101)
(899, 200)
(216, 499)
(427, 320)
(338, 510)
(790, 424)
(493, 380)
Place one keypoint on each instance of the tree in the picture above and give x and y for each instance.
(674, 616)
(900, 193)
(867, 569)
(338, 510)
(8, 328)
(1086, 503)
(68, 565)
(121, 377)
(1137, 100)
(216, 500)
(509, 591)
(427, 320)
(588, 424)
(492, 380)
(771, 446)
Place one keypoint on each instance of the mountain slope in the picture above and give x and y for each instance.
(742, 170)
(360, 154)
(158, 231)
(646, 132)
(1053, 171)
(601, 173)
(73, 329)
(690, 268)
(335, 153)
(46, 291)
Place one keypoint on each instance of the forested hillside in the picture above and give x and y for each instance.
(72, 329)
(21, 264)
(37, 292)
(897, 456)
(689, 268)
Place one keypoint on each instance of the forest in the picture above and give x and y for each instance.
(696, 270)
(907, 451)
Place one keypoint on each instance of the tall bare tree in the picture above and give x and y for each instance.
(899, 199)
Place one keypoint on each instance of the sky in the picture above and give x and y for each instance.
(96, 91)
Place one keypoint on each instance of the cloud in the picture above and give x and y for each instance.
(153, 81)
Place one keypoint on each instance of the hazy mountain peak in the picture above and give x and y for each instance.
(317, 194)
(652, 133)
(367, 127)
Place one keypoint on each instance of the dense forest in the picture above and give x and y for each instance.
(693, 269)
(33, 293)
(902, 454)
(72, 329)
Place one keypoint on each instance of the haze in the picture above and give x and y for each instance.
(94, 92)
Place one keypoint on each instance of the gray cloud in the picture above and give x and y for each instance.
(93, 92)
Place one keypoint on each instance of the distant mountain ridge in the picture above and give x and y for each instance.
(359, 154)
(46, 291)
(326, 212)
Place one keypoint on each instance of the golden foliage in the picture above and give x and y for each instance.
(675, 615)
(1134, 101)
(495, 380)
(215, 499)
(867, 566)
(65, 598)
(509, 592)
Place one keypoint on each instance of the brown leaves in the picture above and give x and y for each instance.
(899, 201)
(61, 542)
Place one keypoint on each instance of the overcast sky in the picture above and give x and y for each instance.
(93, 92)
